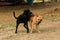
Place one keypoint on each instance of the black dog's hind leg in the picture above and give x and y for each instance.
(17, 24)
(26, 26)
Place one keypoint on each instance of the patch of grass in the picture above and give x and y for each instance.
(50, 29)
(51, 18)
(10, 24)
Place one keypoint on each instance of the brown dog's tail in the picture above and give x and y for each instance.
(14, 14)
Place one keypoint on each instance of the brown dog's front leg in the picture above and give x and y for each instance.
(32, 27)
(37, 28)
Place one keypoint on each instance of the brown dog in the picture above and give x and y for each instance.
(35, 20)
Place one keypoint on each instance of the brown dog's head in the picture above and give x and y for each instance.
(39, 19)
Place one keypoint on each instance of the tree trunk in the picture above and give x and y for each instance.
(42, 1)
(55, 0)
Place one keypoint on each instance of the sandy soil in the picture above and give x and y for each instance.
(49, 28)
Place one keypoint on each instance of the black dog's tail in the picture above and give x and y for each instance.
(14, 14)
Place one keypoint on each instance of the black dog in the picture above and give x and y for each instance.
(23, 18)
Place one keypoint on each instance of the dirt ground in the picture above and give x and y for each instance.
(49, 28)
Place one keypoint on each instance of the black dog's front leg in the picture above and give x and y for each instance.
(26, 26)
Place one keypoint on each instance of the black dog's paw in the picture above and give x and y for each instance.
(27, 31)
(16, 32)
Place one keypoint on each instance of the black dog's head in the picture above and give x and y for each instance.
(27, 12)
